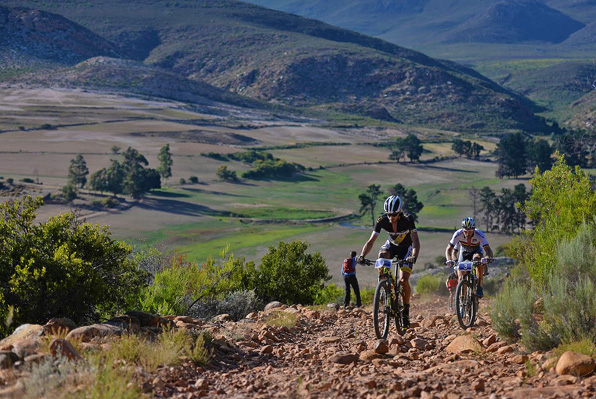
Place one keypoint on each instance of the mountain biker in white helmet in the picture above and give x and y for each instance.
(471, 244)
(403, 243)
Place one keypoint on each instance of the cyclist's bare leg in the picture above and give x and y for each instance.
(405, 283)
(479, 269)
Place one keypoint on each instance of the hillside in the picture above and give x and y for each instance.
(436, 27)
(280, 58)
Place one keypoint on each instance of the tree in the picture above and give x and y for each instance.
(511, 153)
(487, 202)
(368, 200)
(413, 147)
(225, 174)
(540, 155)
(409, 198)
(396, 154)
(165, 162)
(77, 172)
(475, 150)
(458, 147)
(290, 275)
(62, 268)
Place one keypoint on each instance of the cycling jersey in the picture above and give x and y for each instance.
(471, 244)
(401, 235)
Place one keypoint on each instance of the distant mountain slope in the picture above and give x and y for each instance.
(48, 36)
(276, 57)
(512, 21)
(433, 25)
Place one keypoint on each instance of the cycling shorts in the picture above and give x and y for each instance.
(469, 255)
(401, 252)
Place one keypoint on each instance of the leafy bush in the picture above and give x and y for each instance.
(570, 193)
(429, 284)
(367, 295)
(184, 284)
(290, 275)
(61, 268)
(28, 180)
(225, 174)
(111, 202)
(193, 179)
(69, 192)
(10, 180)
(330, 294)
(273, 169)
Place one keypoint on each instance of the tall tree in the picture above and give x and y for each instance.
(409, 198)
(165, 162)
(487, 202)
(77, 172)
(369, 199)
(413, 147)
(511, 153)
(540, 155)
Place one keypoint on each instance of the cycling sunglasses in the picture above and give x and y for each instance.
(394, 214)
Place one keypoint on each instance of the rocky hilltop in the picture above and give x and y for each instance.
(328, 353)
(285, 59)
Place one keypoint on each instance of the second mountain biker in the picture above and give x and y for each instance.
(403, 243)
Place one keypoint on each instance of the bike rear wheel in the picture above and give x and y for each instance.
(399, 309)
(382, 309)
(465, 305)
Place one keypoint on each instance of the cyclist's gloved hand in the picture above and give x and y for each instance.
(485, 260)
(360, 259)
(450, 263)
(411, 259)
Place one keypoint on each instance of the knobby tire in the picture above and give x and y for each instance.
(382, 309)
(399, 308)
(465, 304)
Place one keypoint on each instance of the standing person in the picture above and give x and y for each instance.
(403, 243)
(348, 271)
(471, 244)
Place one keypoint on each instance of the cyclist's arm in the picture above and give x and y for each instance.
(488, 251)
(450, 252)
(415, 244)
(369, 244)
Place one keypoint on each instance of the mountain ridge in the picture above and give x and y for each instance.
(284, 59)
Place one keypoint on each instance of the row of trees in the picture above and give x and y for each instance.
(467, 148)
(264, 166)
(127, 176)
(517, 153)
(502, 211)
(373, 195)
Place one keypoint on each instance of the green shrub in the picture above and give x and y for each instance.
(193, 179)
(182, 181)
(290, 275)
(237, 304)
(28, 180)
(181, 284)
(429, 284)
(367, 295)
(330, 294)
(585, 346)
(10, 180)
(62, 267)
(69, 192)
(110, 202)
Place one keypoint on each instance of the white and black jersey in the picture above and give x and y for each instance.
(472, 243)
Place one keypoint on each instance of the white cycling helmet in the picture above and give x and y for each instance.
(392, 204)
(468, 223)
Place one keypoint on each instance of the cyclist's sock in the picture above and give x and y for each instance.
(479, 292)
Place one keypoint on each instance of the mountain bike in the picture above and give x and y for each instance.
(388, 302)
(466, 301)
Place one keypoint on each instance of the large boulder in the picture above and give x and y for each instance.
(575, 364)
(25, 331)
(59, 326)
(88, 333)
(465, 344)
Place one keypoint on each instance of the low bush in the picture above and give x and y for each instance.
(429, 284)
(330, 294)
(237, 304)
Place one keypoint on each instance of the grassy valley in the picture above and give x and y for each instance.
(202, 219)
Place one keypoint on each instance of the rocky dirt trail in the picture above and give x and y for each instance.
(334, 353)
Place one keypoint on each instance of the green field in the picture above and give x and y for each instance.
(201, 219)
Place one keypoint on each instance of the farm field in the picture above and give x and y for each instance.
(42, 130)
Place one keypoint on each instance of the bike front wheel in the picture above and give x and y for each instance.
(465, 306)
(382, 309)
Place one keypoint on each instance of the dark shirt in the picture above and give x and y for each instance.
(401, 236)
